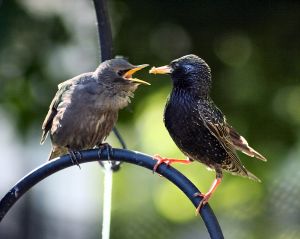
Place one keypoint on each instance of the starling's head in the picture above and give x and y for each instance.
(188, 72)
(118, 73)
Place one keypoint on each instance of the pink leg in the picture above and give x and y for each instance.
(168, 161)
(207, 195)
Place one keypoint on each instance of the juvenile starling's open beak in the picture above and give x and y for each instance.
(128, 74)
(161, 70)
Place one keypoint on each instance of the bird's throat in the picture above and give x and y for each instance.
(190, 94)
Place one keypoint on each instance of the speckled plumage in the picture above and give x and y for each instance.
(85, 108)
(197, 126)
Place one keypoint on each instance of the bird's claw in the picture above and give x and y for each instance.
(204, 200)
(160, 160)
(115, 166)
(74, 158)
(168, 161)
(108, 149)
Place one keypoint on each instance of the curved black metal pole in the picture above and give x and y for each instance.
(104, 30)
(140, 159)
(119, 137)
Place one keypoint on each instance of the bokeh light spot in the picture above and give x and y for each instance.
(170, 41)
(173, 204)
(242, 198)
(286, 103)
(233, 49)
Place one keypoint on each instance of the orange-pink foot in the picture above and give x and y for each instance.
(206, 196)
(167, 161)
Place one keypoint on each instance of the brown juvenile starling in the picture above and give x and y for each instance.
(85, 108)
(197, 126)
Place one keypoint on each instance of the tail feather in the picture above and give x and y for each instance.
(253, 177)
(56, 152)
(235, 167)
(244, 173)
(44, 136)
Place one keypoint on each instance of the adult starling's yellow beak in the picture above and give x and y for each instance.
(161, 70)
(128, 74)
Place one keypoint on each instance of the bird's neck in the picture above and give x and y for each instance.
(191, 92)
(118, 98)
(194, 85)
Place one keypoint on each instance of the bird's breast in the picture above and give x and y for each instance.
(83, 126)
(181, 120)
(187, 128)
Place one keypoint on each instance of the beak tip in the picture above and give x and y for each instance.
(138, 81)
(141, 66)
(160, 70)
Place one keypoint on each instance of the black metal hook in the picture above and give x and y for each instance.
(140, 159)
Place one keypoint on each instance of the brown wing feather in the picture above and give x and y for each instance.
(47, 124)
(240, 143)
(48, 120)
(232, 164)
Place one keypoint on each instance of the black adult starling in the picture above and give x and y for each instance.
(85, 108)
(197, 126)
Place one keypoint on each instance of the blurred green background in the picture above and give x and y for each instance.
(253, 49)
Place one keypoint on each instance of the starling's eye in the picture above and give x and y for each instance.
(175, 65)
(122, 72)
(188, 68)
